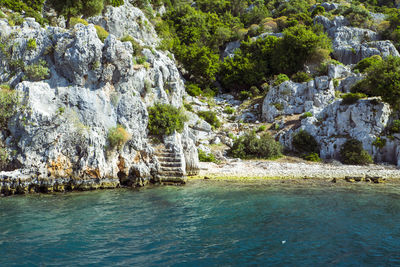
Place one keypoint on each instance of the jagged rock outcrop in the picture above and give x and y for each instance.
(365, 121)
(352, 44)
(331, 121)
(61, 138)
(295, 98)
(127, 20)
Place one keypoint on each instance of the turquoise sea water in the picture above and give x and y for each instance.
(204, 224)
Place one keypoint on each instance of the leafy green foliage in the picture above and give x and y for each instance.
(364, 64)
(37, 72)
(352, 152)
(351, 98)
(379, 142)
(210, 117)
(312, 157)
(117, 137)
(305, 143)
(301, 77)
(9, 105)
(31, 44)
(395, 127)
(382, 79)
(262, 128)
(306, 115)
(280, 79)
(257, 60)
(31, 8)
(114, 3)
(319, 10)
(164, 119)
(252, 146)
(206, 157)
(229, 110)
(73, 21)
(193, 89)
(76, 8)
(101, 33)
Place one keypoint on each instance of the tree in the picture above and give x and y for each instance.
(72, 8)
(383, 79)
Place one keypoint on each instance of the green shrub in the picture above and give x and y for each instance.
(364, 64)
(229, 110)
(312, 157)
(352, 98)
(31, 44)
(379, 142)
(204, 157)
(114, 3)
(9, 105)
(101, 33)
(165, 119)
(304, 143)
(352, 152)
(137, 48)
(117, 137)
(37, 72)
(301, 77)
(395, 127)
(280, 79)
(251, 146)
(210, 117)
(319, 10)
(73, 21)
(15, 19)
(382, 79)
(243, 95)
(69, 9)
(4, 158)
(193, 89)
(188, 107)
(262, 128)
(306, 115)
(254, 90)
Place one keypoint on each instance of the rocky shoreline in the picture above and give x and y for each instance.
(298, 172)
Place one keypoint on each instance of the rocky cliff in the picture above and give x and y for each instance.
(59, 139)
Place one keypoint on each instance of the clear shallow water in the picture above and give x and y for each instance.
(204, 224)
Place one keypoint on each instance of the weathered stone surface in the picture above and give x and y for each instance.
(92, 87)
(127, 20)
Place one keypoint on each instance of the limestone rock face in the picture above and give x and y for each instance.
(92, 87)
(332, 126)
(352, 44)
(127, 20)
(295, 98)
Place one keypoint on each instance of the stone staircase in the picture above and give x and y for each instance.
(171, 170)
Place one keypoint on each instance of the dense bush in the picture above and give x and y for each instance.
(351, 98)
(258, 60)
(30, 8)
(382, 79)
(117, 137)
(304, 143)
(73, 21)
(193, 89)
(210, 117)
(379, 142)
(165, 119)
(252, 146)
(312, 157)
(301, 77)
(364, 64)
(280, 79)
(115, 3)
(9, 105)
(37, 72)
(77, 8)
(352, 152)
(31, 44)
(101, 33)
(206, 157)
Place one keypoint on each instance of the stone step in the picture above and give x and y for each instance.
(172, 180)
(168, 159)
(166, 155)
(171, 173)
(175, 169)
(171, 164)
